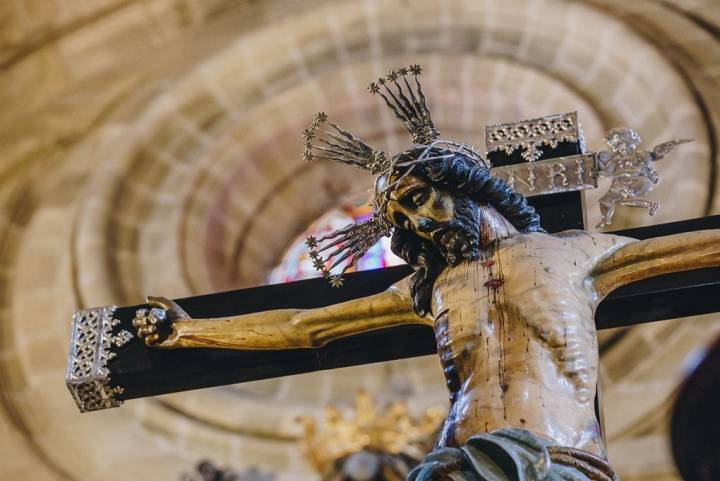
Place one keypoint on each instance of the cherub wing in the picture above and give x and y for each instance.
(663, 149)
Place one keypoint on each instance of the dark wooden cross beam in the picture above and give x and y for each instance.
(109, 365)
(146, 372)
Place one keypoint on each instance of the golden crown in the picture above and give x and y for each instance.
(392, 430)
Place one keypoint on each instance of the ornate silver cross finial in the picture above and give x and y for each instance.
(529, 135)
(87, 376)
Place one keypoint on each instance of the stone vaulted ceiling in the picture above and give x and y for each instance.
(152, 147)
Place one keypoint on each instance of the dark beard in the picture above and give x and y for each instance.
(460, 240)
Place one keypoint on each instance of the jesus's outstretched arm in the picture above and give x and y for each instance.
(653, 257)
(289, 328)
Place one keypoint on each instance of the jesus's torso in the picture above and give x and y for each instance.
(516, 337)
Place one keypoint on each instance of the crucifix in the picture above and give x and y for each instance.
(508, 297)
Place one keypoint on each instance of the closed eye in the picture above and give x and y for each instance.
(416, 197)
(420, 197)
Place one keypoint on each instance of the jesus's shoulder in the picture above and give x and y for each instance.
(595, 245)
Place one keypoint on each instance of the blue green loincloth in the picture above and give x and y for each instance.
(511, 455)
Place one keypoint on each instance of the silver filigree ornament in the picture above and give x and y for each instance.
(122, 338)
(529, 135)
(88, 376)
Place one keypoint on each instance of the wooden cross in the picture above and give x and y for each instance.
(109, 364)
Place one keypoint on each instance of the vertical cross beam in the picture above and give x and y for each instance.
(546, 160)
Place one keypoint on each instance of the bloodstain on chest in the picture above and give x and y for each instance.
(494, 283)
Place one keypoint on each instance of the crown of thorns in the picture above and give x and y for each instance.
(324, 140)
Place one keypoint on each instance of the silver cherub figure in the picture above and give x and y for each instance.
(632, 172)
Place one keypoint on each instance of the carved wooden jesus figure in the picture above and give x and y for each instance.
(512, 307)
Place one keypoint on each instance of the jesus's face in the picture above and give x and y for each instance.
(449, 222)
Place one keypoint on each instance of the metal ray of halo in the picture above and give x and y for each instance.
(340, 146)
(351, 242)
(407, 103)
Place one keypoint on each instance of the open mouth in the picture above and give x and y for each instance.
(441, 236)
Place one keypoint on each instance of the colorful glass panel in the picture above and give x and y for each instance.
(296, 263)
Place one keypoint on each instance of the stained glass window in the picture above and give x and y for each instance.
(296, 263)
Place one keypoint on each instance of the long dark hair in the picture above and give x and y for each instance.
(462, 176)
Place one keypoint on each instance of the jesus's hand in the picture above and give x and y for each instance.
(154, 325)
